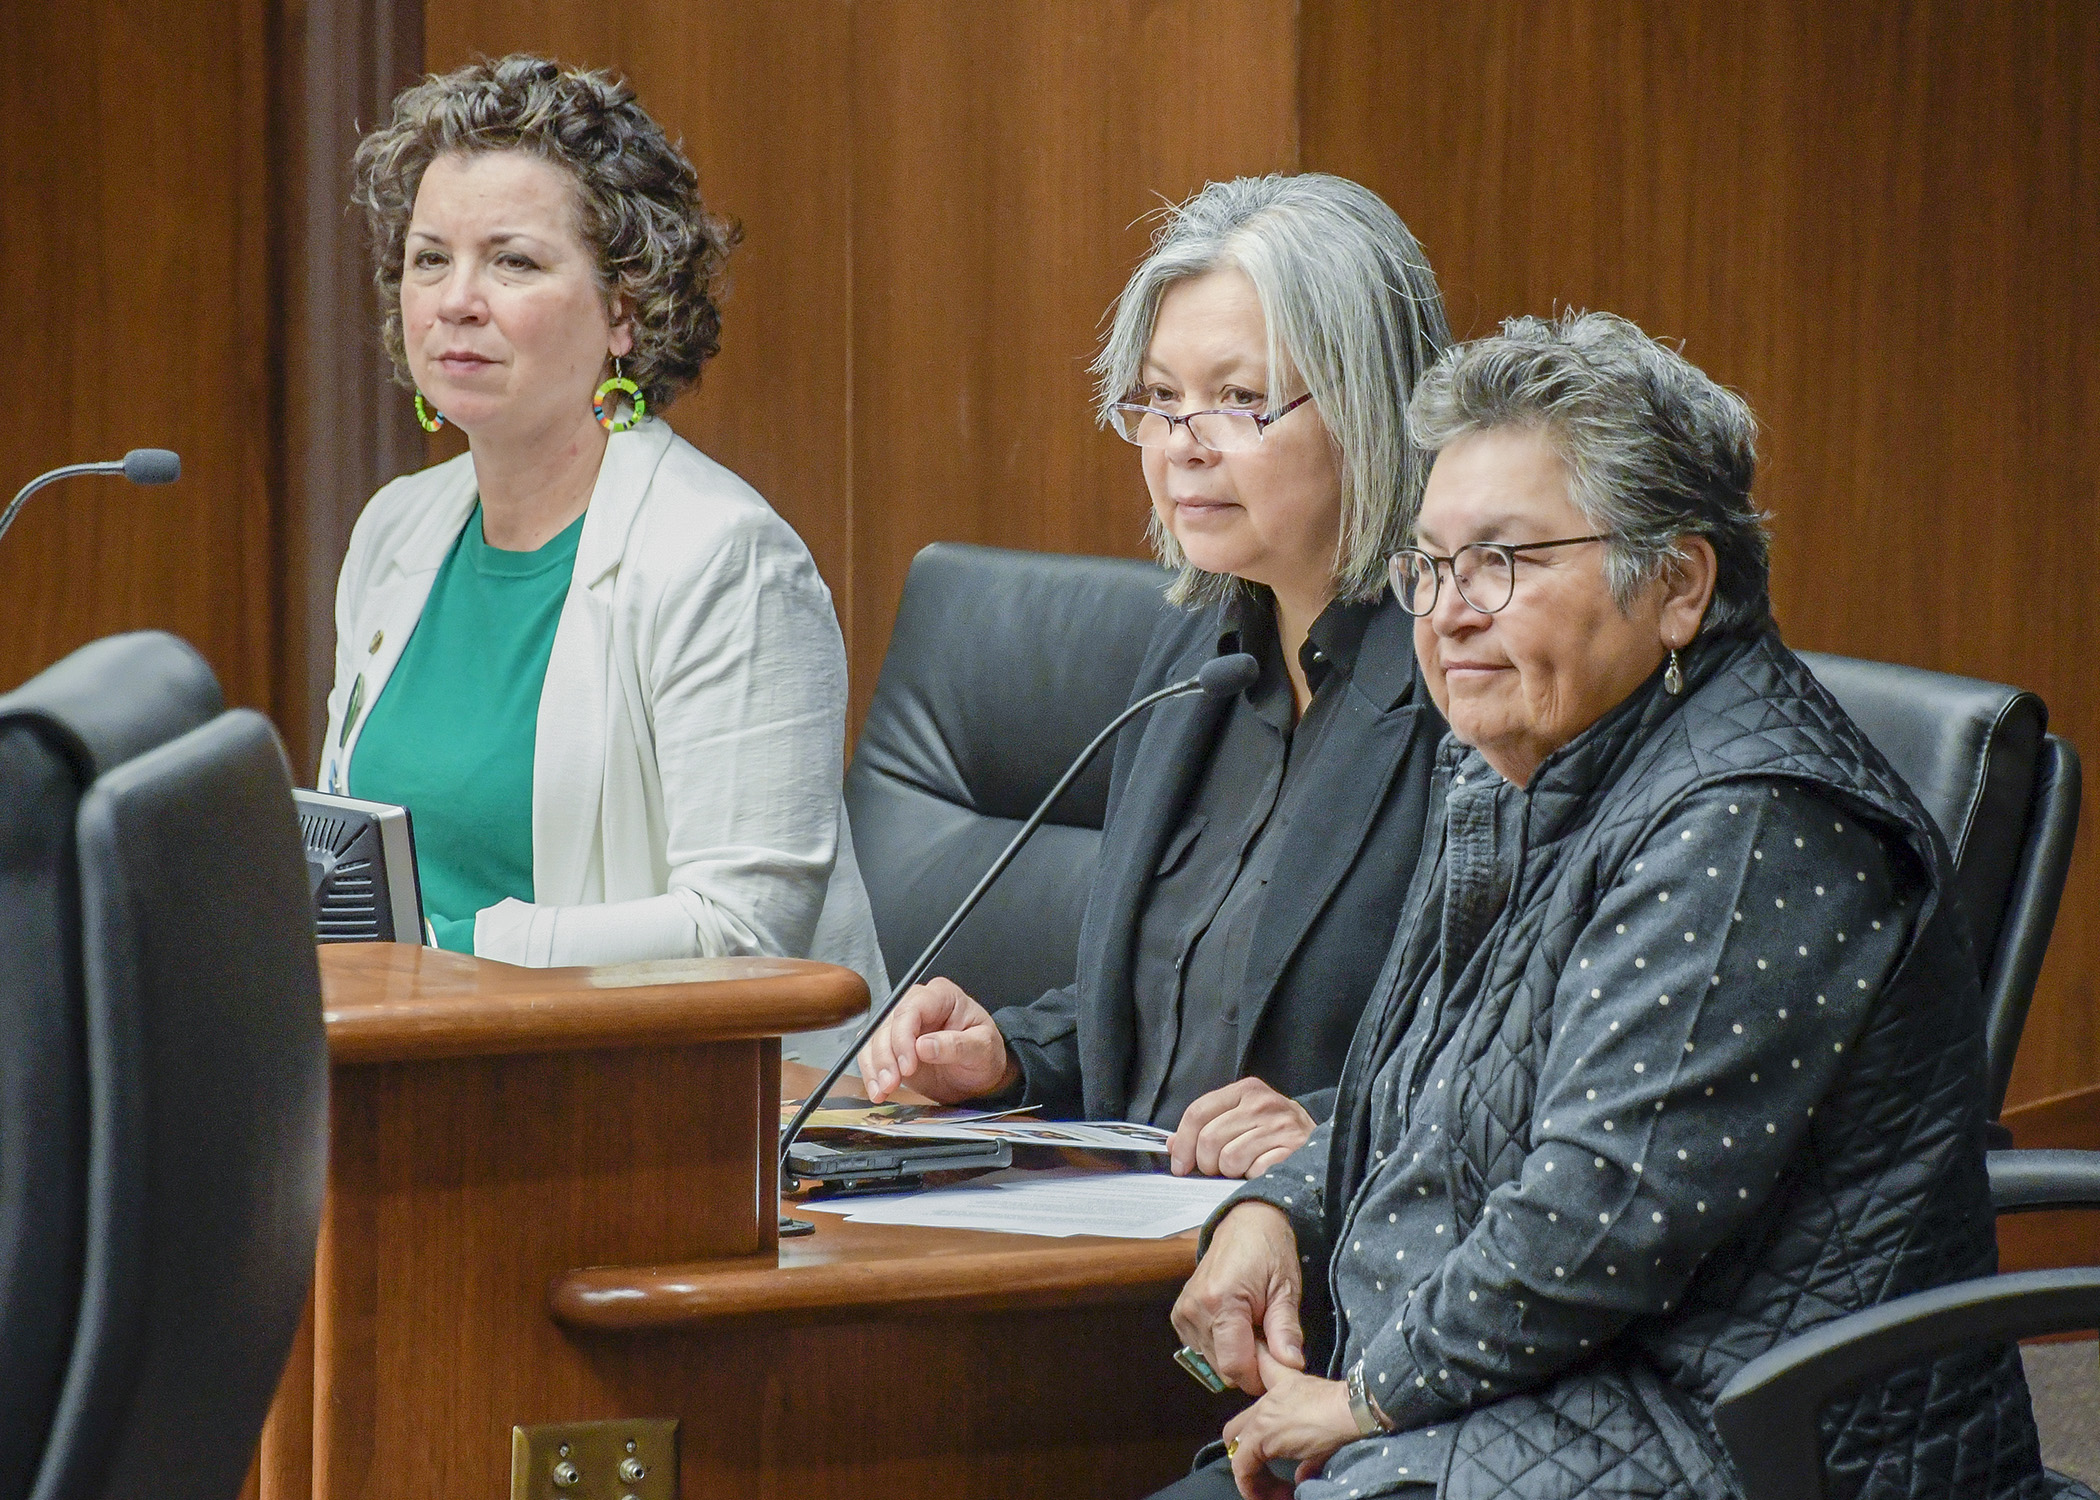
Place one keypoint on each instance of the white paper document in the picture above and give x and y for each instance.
(1122, 1205)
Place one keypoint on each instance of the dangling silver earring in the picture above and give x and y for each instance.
(1673, 675)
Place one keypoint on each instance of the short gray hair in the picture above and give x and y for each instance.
(638, 200)
(1351, 304)
(1656, 449)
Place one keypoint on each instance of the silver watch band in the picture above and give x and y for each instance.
(1370, 1421)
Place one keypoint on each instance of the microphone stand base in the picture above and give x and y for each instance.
(795, 1228)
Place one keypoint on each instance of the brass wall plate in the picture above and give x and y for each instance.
(632, 1458)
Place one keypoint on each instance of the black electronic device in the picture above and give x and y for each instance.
(886, 1168)
(1220, 677)
(361, 863)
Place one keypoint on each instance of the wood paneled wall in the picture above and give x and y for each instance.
(1006, 158)
(1878, 222)
(137, 311)
(345, 428)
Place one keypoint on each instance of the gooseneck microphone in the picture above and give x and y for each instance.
(140, 466)
(1220, 677)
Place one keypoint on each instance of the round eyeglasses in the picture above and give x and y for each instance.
(1220, 431)
(1485, 573)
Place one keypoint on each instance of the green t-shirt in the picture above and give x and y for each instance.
(451, 737)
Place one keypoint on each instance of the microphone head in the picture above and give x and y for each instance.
(152, 466)
(1222, 676)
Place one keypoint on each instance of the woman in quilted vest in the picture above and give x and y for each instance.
(1677, 1052)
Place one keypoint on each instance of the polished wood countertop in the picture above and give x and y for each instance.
(846, 1272)
(394, 1002)
(851, 1272)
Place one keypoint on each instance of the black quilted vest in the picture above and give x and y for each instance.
(1888, 1195)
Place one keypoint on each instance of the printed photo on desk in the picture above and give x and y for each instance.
(931, 1122)
(849, 1112)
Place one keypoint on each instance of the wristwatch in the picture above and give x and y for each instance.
(1370, 1421)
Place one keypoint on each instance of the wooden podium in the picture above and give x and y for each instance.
(552, 1198)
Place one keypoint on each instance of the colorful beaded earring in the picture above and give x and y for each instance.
(602, 404)
(431, 420)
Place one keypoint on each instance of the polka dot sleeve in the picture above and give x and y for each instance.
(1297, 1185)
(1701, 1016)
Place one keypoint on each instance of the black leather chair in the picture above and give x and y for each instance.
(164, 1117)
(2006, 794)
(1002, 666)
(1767, 1415)
(56, 734)
(2004, 791)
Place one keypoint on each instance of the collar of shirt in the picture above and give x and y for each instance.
(1250, 626)
(1330, 646)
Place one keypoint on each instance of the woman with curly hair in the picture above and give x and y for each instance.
(601, 672)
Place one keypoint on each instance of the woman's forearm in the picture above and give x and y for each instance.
(615, 932)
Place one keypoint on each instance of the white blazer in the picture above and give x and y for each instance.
(685, 778)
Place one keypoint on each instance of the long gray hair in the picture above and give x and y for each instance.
(1351, 305)
(1656, 449)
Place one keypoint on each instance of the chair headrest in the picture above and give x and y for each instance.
(118, 697)
(1969, 749)
(1002, 666)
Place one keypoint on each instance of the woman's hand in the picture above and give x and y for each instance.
(1301, 1416)
(1243, 1298)
(1240, 1130)
(940, 1041)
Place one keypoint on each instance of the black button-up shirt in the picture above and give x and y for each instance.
(1207, 893)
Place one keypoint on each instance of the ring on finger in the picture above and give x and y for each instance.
(1200, 1368)
(1232, 1447)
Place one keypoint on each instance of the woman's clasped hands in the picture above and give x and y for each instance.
(1240, 1312)
(946, 1045)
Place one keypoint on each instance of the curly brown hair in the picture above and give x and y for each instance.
(657, 247)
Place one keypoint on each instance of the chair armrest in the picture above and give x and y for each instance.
(2030, 907)
(1767, 1415)
(2023, 1181)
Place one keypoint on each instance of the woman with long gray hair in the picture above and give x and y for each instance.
(1256, 850)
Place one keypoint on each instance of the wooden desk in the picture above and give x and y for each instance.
(851, 1272)
(551, 1199)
